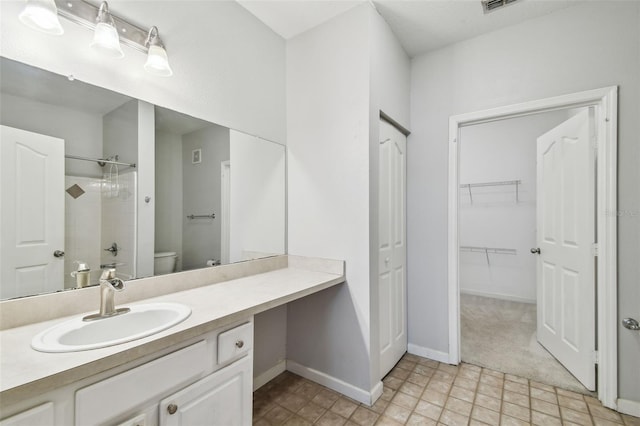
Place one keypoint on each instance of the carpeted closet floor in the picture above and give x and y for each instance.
(501, 335)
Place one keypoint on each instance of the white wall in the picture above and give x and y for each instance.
(328, 189)
(579, 48)
(351, 67)
(168, 185)
(494, 152)
(201, 194)
(81, 131)
(229, 68)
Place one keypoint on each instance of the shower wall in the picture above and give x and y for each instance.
(491, 216)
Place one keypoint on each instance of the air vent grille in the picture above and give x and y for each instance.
(491, 5)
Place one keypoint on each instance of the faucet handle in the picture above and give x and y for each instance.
(108, 274)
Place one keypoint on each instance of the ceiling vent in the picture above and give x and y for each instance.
(491, 5)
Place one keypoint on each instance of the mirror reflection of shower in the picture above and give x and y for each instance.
(99, 222)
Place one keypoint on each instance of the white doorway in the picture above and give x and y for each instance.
(32, 213)
(392, 271)
(225, 219)
(499, 198)
(604, 102)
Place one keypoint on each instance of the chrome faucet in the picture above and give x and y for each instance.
(109, 284)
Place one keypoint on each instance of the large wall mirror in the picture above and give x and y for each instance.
(73, 160)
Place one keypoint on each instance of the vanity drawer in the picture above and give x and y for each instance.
(235, 342)
(104, 401)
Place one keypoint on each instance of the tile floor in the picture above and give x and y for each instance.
(420, 391)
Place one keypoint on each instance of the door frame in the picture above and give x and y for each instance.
(606, 102)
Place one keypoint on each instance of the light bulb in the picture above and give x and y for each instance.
(106, 40)
(41, 15)
(158, 62)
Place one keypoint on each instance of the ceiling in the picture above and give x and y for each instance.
(419, 25)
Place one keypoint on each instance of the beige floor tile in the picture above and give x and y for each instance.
(311, 412)
(516, 379)
(297, 421)
(574, 404)
(570, 394)
(397, 413)
(278, 415)
(418, 379)
(488, 402)
(411, 389)
(516, 411)
(399, 373)
(545, 407)
(466, 383)
(291, 402)
(485, 415)
(439, 386)
(544, 395)
(424, 370)
(602, 422)
(516, 387)
(630, 420)
(458, 406)
(489, 390)
(512, 421)
(418, 420)
(434, 397)
(387, 421)
(428, 409)
(450, 418)
(392, 382)
(331, 419)
(462, 393)
(325, 398)
(379, 406)
(411, 357)
(343, 407)
(575, 416)
(541, 419)
(364, 417)
(405, 400)
(516, 398)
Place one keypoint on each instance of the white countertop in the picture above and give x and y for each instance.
(24, 371)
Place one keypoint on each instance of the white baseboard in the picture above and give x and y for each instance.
(497, 296)
(428, 353)
(360, 395)
(629, 407)
(269, 375)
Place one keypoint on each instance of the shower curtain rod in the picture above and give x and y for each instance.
(100, 161)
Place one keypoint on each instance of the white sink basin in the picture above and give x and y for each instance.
(141, 321)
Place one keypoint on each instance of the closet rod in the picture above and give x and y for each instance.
(100, 161)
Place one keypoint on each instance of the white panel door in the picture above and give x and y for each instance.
(392, 247)
(566, 234)
(32, 213)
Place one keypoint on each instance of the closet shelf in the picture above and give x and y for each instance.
(489, 250)
(484, 184)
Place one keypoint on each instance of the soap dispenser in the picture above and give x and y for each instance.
(81, 274)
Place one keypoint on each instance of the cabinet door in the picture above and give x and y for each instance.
(40, 415)
(223, 398)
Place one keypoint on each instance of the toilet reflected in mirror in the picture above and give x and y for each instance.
(164, 262)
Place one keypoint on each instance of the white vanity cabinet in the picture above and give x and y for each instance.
(222, 398)
(189, 384)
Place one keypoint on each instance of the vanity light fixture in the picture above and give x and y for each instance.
(105, 37)
(157, 60)
(109, 30)
(41, 15)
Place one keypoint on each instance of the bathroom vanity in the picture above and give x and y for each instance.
(200, 371)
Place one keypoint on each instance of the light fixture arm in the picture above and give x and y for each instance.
(104, 15)
(153, 38)
(84, 13)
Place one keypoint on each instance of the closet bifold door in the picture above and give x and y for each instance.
(392, 246)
